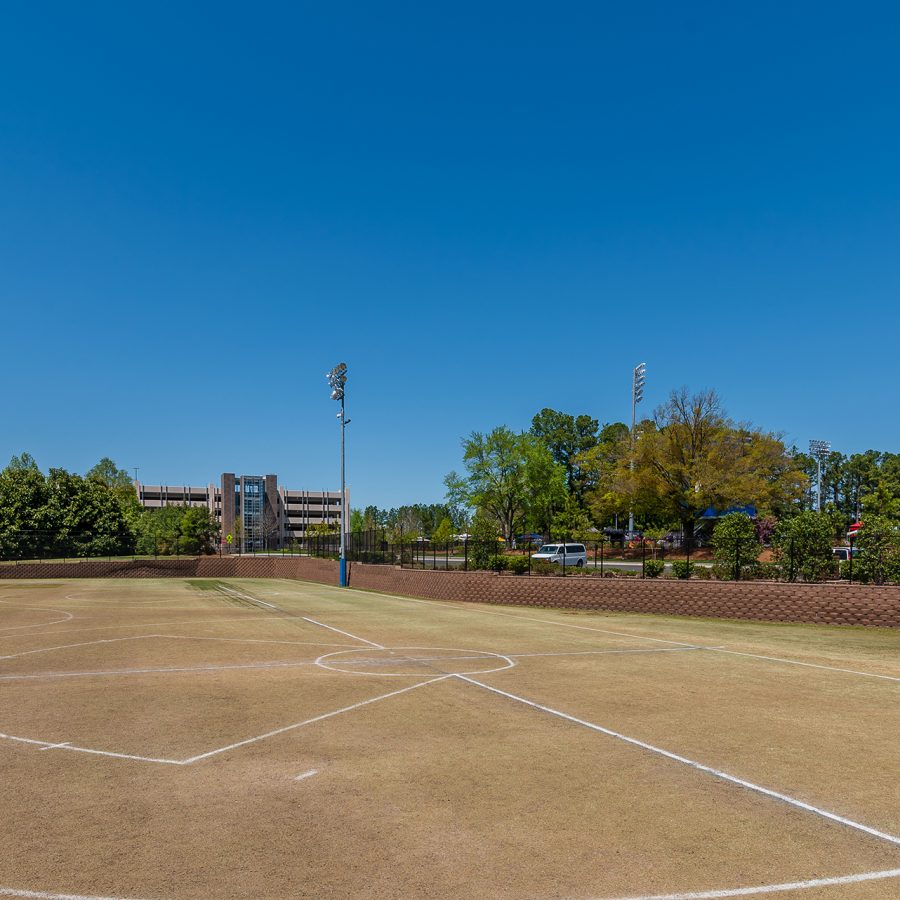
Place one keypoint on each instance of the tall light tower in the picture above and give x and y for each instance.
(819, 449)
(637, 394)
(337, 379)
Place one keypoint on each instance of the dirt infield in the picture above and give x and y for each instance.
(197, 738)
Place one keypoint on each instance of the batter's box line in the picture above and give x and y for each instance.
(700, 767)
(65, 745)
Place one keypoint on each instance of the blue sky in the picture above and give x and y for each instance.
(483, 208)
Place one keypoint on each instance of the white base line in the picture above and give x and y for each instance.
(345, 633)
(308, 774)
(49, 745)
(304, 618)
(893, 839)
(37, 676)
(320, 718)
(235, 593)
(640, 637)
(43, 895)
(769, 888)
(604, 652)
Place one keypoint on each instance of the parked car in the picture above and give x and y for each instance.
(843, 553)
(563, 554)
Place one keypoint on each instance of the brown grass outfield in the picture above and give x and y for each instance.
(445, 788)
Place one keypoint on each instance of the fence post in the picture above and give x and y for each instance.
(643, 558)
(791, 569)
(466, 555)
(601, 557)
(737, 562)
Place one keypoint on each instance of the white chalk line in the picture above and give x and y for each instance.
(345, 633)
(52, 745)
(135, 637)
(305, 775)
(643, 637)
(246, 616)
(191, 637)
(235, 593)
(304, 618)
(43, 895)
(604, 652)
(160, 670)
(334, 666)
(718, 773)
(769, 888)
(319, 718)
(67, 617)
(796, 662)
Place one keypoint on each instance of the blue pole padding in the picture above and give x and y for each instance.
(343, 572)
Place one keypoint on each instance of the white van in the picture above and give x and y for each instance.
(563, 554)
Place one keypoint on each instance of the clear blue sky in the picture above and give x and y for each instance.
(483, 208)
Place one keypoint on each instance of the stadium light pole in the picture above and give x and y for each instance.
(637, 394)
(337, 380)
(819, 449)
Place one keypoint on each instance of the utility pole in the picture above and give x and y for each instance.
(819, 449)
(637, 394)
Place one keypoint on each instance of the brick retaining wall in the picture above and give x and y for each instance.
(836, 604)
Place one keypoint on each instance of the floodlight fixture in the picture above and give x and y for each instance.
(638, 377)
(337, 379)
(819, 450)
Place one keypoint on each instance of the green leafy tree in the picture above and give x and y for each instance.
(444, 531)
(567, 437)
(571, 522)
(878, 550)
(735, 544)
(692, 456)
(803, 546)
(198, 531)
(483, 543)
(108, 473)
(496, 483)
(23, 494)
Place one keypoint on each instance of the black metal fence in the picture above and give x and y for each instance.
(604, 558)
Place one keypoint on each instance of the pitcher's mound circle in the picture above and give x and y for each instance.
(414, 661)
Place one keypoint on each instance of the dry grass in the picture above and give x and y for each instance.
(445, 788)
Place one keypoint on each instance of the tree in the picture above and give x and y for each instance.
(198, 530)
(106, 472)
(803, 546)
(496, 485)
(22, 463)
(878, 550)
(571, 522)
(567, 438)
(444, 532)
(692, 456)
(735, 543)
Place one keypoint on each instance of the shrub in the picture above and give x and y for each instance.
(542, 567)
(803, 547)
(878, 546)
(703, 573)
(518, 565)
(498, 563)
(653, 568)
(682, 568)
(767, 571)
(735, 542)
